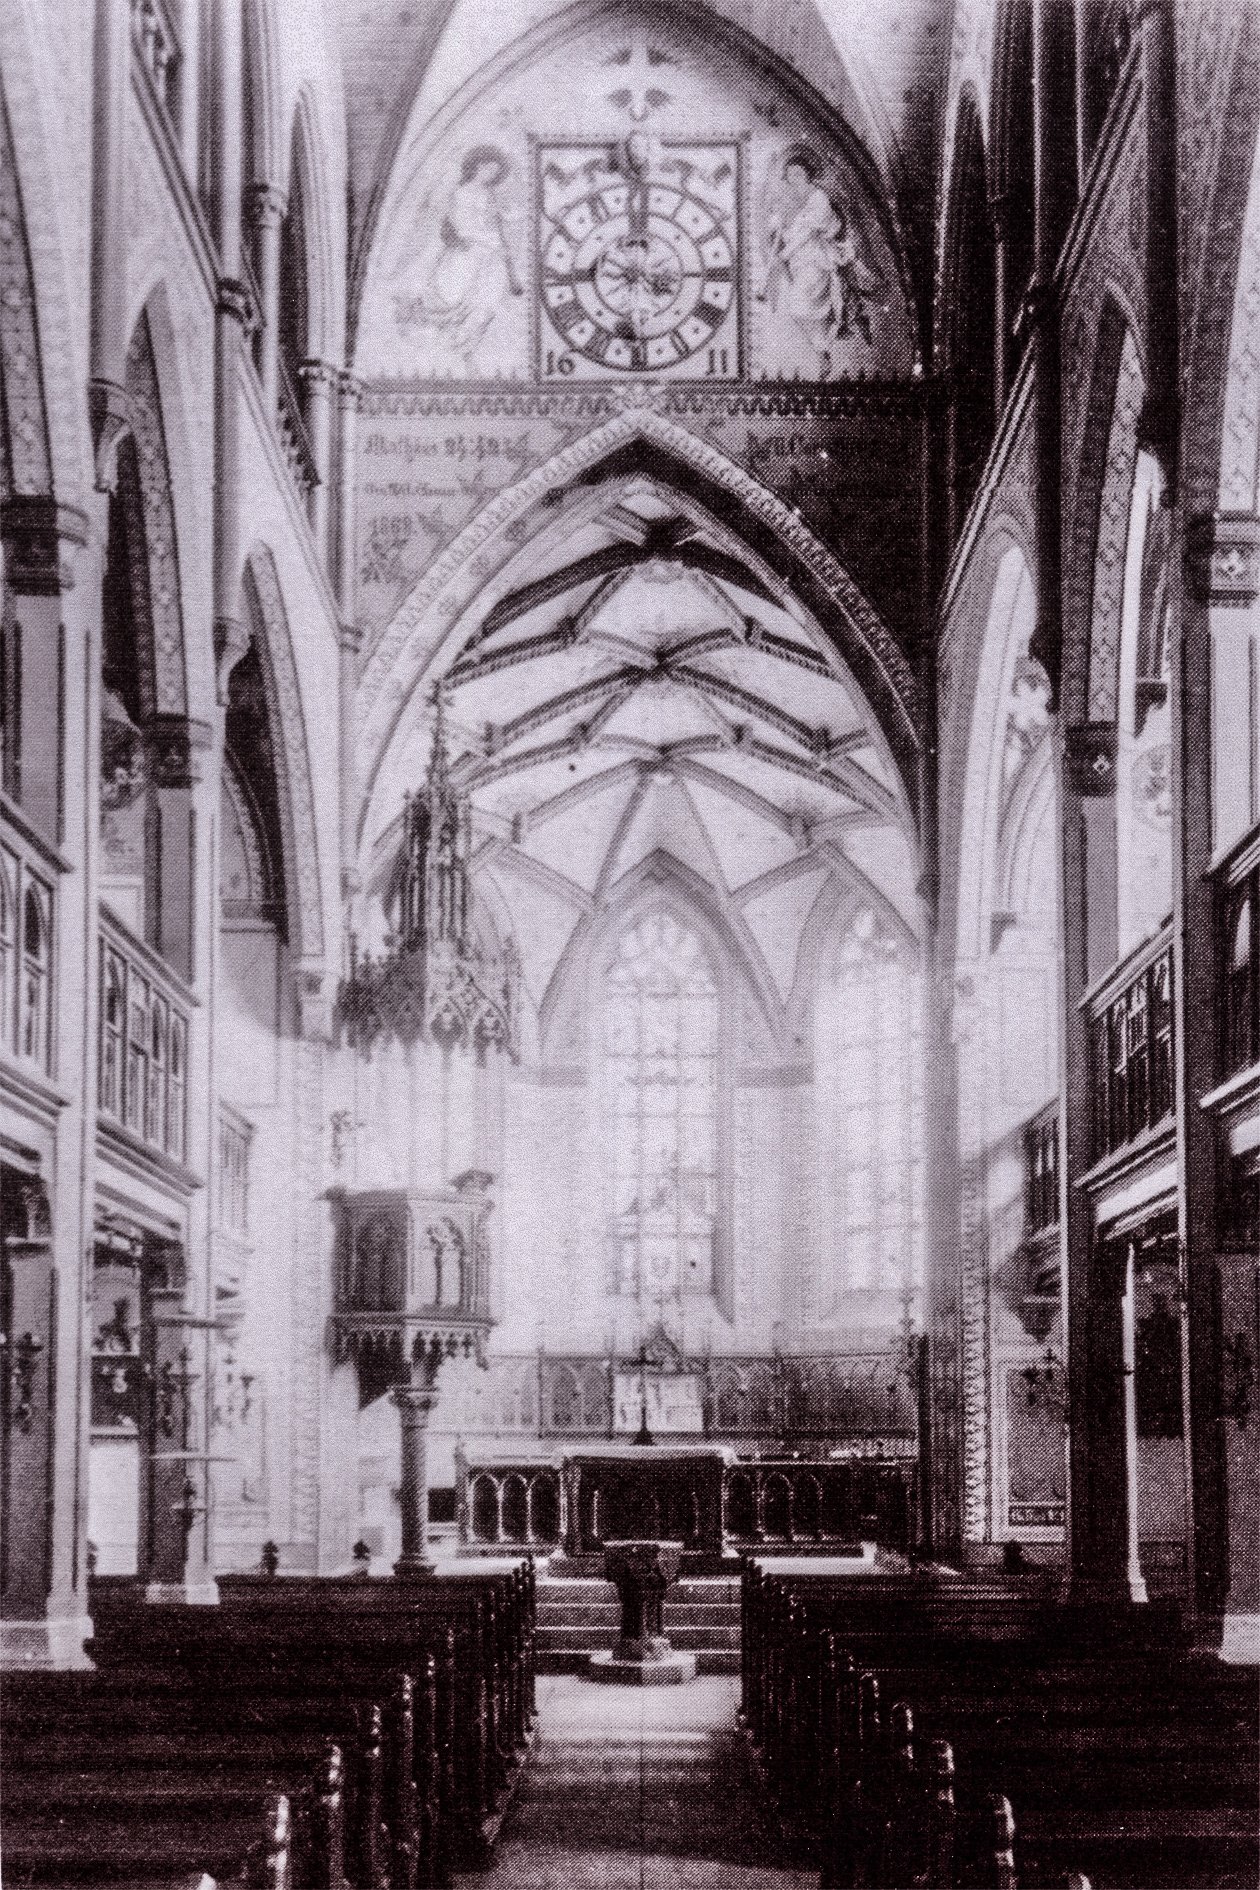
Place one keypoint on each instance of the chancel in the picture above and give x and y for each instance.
(629, 986)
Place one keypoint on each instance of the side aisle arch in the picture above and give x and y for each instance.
(265, 605)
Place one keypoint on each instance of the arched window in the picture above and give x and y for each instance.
(661, 1016)
(870, 1109)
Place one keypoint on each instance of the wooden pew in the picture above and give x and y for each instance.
(1123, 1752)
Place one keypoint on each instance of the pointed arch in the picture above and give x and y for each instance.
(796, 563)
(153, 541)
(265, 609)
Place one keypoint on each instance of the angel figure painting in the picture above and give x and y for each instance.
(450, 288)
(818, 276)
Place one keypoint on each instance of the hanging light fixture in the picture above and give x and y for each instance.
(436, 982)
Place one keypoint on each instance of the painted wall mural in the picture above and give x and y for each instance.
(680, 221)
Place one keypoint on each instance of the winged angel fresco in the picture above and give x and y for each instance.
(455, 276)
(818, 273)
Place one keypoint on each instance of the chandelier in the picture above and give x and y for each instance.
(435, 981)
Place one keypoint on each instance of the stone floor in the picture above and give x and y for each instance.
(637, 1788)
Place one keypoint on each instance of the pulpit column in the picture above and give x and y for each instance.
(415, 1404)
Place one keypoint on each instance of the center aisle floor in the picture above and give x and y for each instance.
(637, 1788)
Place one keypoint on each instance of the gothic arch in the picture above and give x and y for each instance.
(33, 261)
(797, 563)
(1097, 522)
(715, 24)
(1221, 204)
(265, 604)
(659, 880)
(1010, 618)
(846, 891)
(159, 584)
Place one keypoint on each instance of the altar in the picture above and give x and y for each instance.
(623, 1492)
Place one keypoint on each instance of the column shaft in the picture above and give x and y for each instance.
(108, 341)
(415, 1405)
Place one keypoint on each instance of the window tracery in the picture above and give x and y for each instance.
(661, 1019)
(870, 1109)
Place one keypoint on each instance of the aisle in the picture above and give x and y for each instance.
(636, 1788)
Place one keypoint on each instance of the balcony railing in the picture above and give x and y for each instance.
(294, 440)
(26, 956)
(1238, 969)
(236, 1136)
(1041, 1172)
(156, 42)
(1131, 1045)
(143, 1072)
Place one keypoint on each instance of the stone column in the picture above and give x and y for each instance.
(231, 320)
(1128, 1365)
(176, 746)
(52, 570)
(999, 216)
(415, 1402)
(1096, 1537)
(267, 207)
(319, 381)
(1220, 586)
(174, 1563)
(107, 398)
(29, 1375)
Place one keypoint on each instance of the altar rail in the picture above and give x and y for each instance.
(862, 1398)
(788, 1502)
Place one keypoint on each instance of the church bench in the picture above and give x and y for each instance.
(364, 1810)
(276, 1646)
(1153, 1752)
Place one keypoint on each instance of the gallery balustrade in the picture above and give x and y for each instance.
(1131, 1038)
(26, 954)
(142, 1082)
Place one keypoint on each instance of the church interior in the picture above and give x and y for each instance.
(629, 953)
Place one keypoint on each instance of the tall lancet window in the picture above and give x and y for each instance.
(870, 1113)
(661, 1017)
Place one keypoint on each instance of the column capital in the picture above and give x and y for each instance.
(315, 1004)
(38, 533)
(1223, 557)
(176, 744)
(349, 388)
(350, 637)
(317, 373)
(1089, 754)
(415, 1401)
(234, 299)
(266, 206)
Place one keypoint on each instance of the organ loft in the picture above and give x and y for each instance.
(629, 985)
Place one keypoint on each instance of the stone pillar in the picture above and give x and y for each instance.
(190, 91)
(319, 381)
(176, 746)
(29, 1373)
(415, 1402)
(52, 569)
(344, 557)
(999, 216)
(1220, 586)
(231, 320)
(107, 398)
(1096, 1510)
(267, 207)
(1128, 1358)
(174, 1562)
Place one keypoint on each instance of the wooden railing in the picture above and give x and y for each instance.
(1131, 1044)
(769, 1502)
(27, 956)
(1041, 1172)
(142, 1081)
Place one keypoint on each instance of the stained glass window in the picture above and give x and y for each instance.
(661, 1018)
(870, 1112)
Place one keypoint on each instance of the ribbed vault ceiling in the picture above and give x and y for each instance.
(638, 694)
